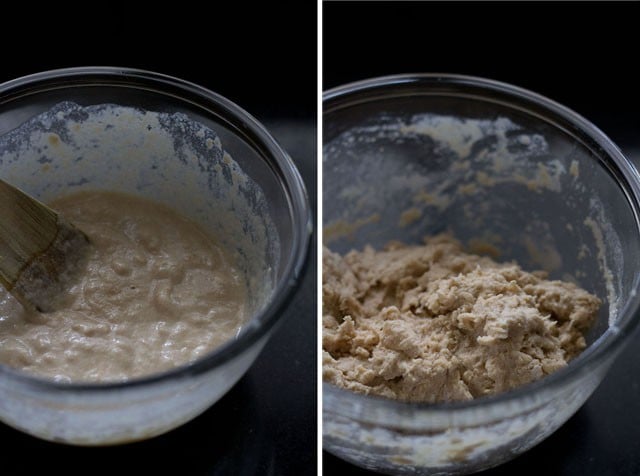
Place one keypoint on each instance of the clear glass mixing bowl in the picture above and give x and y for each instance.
(503, 168)
(180, 144)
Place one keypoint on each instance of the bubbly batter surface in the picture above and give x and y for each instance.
(432, 323)
(157, 292)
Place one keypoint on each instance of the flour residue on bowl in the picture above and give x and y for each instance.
(461, 157)
(461, 136)
(498, 150)
(598, 236)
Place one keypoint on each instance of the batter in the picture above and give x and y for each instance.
(157, 292)
(433, 324)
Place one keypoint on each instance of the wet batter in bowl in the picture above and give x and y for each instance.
(432, 323)
(157, 292)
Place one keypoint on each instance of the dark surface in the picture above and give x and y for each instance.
(266, 425)
(244, 52)
(579, 56)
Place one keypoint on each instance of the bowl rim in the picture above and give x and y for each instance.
(252, 132)
(357, 406)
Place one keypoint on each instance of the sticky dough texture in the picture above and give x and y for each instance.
(432, 323)
(157, 292)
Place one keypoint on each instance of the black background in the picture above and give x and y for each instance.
(263, 57)
(266, 425)
(583, 55)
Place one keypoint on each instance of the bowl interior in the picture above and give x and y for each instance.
(162, 142)
(501, 173)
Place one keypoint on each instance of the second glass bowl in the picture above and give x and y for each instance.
(415, 155)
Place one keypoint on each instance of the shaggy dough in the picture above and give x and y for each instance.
(432, 323)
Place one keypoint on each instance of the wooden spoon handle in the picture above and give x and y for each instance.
(27, 229)
(37, 246)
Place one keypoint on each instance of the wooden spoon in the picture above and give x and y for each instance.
(39, 250)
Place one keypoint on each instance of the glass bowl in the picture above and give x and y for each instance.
(504, 169)
(180, 144)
